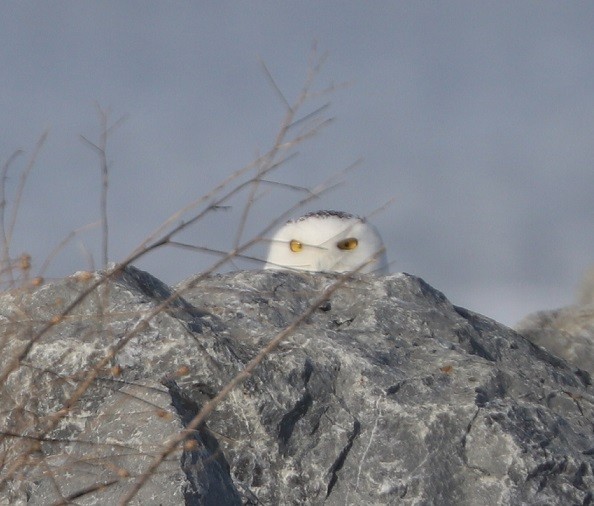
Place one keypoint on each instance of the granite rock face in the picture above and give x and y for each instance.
(386, 394)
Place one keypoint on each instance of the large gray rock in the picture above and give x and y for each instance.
(386, 394)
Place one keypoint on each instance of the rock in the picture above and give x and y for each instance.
(585, 292)
(566, 332)
(386, 394)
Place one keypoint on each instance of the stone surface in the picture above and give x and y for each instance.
(567, 332)
(387, 394)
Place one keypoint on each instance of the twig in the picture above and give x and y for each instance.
(63, 243)
(276, 88)
(23, 181)
(5, 261)
(7, 230)
(278, 144)
(101, 150)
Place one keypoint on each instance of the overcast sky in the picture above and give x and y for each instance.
(476, 118)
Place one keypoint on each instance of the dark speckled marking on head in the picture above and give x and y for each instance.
(327, 214)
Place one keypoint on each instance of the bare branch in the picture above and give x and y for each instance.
(274, 85)
(5, 261)
(63, 243)
(7, 229)
(100, 149)
(23, 181)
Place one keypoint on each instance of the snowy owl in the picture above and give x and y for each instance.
(328, 241)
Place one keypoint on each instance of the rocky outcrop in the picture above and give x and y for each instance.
(567, 332)
(385, 394)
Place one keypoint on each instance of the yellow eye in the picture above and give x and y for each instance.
(348, 244)
(295, 246)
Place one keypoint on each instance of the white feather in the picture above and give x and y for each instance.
(320, 233)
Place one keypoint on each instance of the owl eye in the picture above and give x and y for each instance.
(295, 246)
(348, 244)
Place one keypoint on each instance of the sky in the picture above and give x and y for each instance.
(473, 120)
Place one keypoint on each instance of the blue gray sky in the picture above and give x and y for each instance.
(476, 118)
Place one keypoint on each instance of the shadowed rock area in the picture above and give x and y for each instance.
(387, 394)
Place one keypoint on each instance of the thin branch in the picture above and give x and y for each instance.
(5, 261)
(63, 243)
(310, 115)
(104, 187)
(101, 150)
(381, 208)
(213, 251)
(23, 181)
(275, 87)
(278, 143)
(209, 196)
(7, 229)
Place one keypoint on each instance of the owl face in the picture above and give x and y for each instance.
(328, 241)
